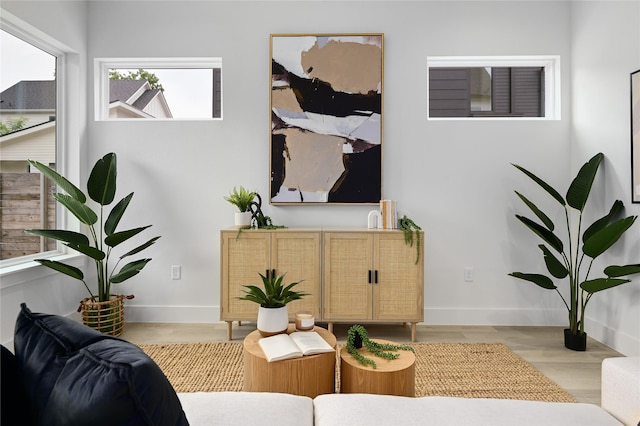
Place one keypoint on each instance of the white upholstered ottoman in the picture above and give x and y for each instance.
(621, 388)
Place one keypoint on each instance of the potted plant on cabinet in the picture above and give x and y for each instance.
(273, 317)
(577, 252)
(104, 311)
(409, 228)
(242, 200)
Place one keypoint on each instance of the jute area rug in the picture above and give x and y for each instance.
(472, 370)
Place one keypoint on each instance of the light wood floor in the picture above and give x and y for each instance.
(576, 372)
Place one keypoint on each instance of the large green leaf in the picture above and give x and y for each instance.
(120, 237)
(78, 209)
(555, 194)
(118, 210)
(60, 180)
(61, 235)
(600, 242)
(599, 284)
(603, 221)
(538, 279)
(539, 213)
(92, 252)
(69, 270)
(129, 270)
(102, 180)
(140, 248)
(554, 266)
(580, 187)
(254, 294)
(621, 271)
(548, 236)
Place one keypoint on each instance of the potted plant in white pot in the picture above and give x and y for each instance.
(273, 317)
(578, 253)
(104, 311)
(242, 199)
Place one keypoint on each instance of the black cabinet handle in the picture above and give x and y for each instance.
(369, 276)
(376, 277)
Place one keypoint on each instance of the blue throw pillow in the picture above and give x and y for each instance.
(77, 376)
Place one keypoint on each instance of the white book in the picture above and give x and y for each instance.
(294, 345)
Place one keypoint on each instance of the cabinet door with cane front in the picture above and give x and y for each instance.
(297, 254)
(243, 257)
(348, 275)
(398, 290)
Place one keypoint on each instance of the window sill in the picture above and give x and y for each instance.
(28, 271)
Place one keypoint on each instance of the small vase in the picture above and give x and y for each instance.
(575, 342)
(242, 219)
(272, 321)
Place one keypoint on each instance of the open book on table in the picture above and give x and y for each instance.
(294, 345)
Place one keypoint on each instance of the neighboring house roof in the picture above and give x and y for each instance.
(137, 94)
(123, 90)
(145, 98)
(29, 95)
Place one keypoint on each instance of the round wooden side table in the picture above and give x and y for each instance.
(310, 375)
(391, 377)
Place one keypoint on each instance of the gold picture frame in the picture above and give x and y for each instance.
(635, 137)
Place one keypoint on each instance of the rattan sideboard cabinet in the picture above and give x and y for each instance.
(372, 276)
(243, 255)
(352, 274)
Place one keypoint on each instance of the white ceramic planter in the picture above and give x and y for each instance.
(243, 219)
(272, 320)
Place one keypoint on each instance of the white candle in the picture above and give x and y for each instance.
(304, 321)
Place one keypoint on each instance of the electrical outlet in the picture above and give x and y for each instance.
(176, 272)
(468, 274)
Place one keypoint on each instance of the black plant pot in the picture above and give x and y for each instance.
(576, 342)
(357, 340)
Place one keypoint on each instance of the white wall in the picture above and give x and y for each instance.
(603, 56)
(452, 178)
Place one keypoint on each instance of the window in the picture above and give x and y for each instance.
(28, 117)
(494, 87)
(160, 89)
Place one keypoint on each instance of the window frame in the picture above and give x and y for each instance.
(550, 63)
(65, 66)
(101, 81)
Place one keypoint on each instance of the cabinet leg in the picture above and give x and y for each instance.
(229, 329)
(239, 323)
(330, 327)
(413, 331)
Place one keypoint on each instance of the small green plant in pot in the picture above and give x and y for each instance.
(273, 317)
(98, 311)
(358, 337)
(568, 260)
(242, 199)
(409, 227)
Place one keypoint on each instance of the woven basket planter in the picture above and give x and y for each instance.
(106, 317)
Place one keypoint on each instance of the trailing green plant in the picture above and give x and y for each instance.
(357, 337)
(409, 227)
(241, 198)
(275, 294)
(101, 187)
(577, 252)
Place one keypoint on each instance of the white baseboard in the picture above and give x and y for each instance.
(172, 314)
(617, 340)
(471, 316)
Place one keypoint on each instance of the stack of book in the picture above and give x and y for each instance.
(389, 214)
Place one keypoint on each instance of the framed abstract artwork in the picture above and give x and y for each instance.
(326, 118)
(635, 136)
